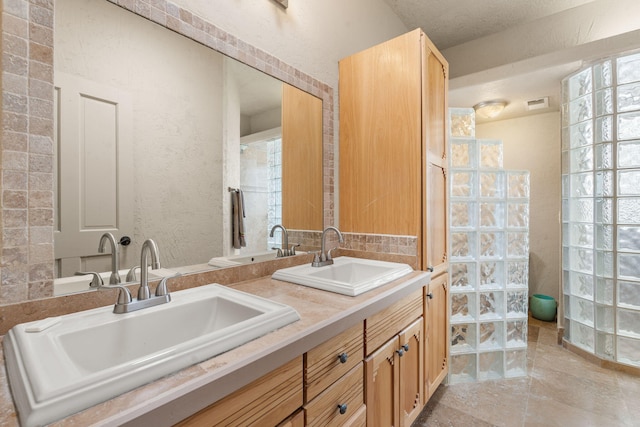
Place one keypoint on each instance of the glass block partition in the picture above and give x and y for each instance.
(489, 235)
(601, 209)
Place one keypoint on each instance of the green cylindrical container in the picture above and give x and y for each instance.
(543, 307)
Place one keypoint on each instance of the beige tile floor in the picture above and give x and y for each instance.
(561, 389)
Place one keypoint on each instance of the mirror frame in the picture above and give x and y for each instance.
(26, 215)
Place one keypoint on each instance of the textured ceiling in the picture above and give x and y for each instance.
(474, 27)
(450, 23)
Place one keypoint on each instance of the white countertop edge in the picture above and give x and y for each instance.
(172, 406)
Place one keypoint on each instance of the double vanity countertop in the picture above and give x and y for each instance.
(168, 400)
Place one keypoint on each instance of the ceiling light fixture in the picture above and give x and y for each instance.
(489, 109)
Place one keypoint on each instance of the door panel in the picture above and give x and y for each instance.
(94, 167)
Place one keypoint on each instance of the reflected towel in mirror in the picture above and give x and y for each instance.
(237, 218)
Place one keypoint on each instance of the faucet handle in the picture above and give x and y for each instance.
(329, 254)
(96, 280)
(292, 251)
(280, 254)
(124, 296)
(131, 275)
(162, 289)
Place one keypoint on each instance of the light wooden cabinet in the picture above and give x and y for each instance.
(296, 420)
(326, 363)
(394, 388)
(334, 381)
(302, 191)
(436, 325)
(339, 403)
(394, 366)
(393, 144)
(265, 402)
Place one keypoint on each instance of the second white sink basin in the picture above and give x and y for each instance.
(58, 366)
(347, 275)
(235, 260)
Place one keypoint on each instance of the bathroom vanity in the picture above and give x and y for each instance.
(322, 369)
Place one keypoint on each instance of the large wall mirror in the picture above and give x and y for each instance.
(154, 129)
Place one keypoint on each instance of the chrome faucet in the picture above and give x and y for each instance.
(285, 240)
(125, 303)
(324, 258)
(114, 279)
(148, 247)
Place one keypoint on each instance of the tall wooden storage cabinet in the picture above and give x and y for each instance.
(393, 164)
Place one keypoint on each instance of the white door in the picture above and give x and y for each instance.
(94, 168)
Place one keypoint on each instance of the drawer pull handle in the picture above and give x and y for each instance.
(343, 357)
(343, 408)
(430, 295)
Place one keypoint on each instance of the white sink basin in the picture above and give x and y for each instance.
(59, 366)
(233, 260)
(347, 275)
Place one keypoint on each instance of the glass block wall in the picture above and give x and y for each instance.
(601, 209)
(274, 212)
(489, 267)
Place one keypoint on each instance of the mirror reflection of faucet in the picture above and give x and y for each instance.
(324, 258)
(286, 250)
(114, 279)
(115, 256)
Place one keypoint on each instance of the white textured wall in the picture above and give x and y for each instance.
(311, 36)
(533, 143)
(177, 107)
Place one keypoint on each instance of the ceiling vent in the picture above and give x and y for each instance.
(538, 104)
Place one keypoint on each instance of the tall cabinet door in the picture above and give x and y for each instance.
(380, 138)
(435, 124)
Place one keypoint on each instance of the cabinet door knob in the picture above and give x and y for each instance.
(343, 357)
(342, 408)
(430, 269)
(406, 347)
(400, 352)
(430, 295)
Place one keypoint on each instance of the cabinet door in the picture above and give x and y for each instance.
(434, 99)
(380, 138)
(411, 372)
(381, 390)
(435, 130)
(435, 231)
(437, 327)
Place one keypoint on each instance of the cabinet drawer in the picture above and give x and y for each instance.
(295, 420)
(266, 401)
(359, 419)
(324, 364)
(387, 323)
(348, 390)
